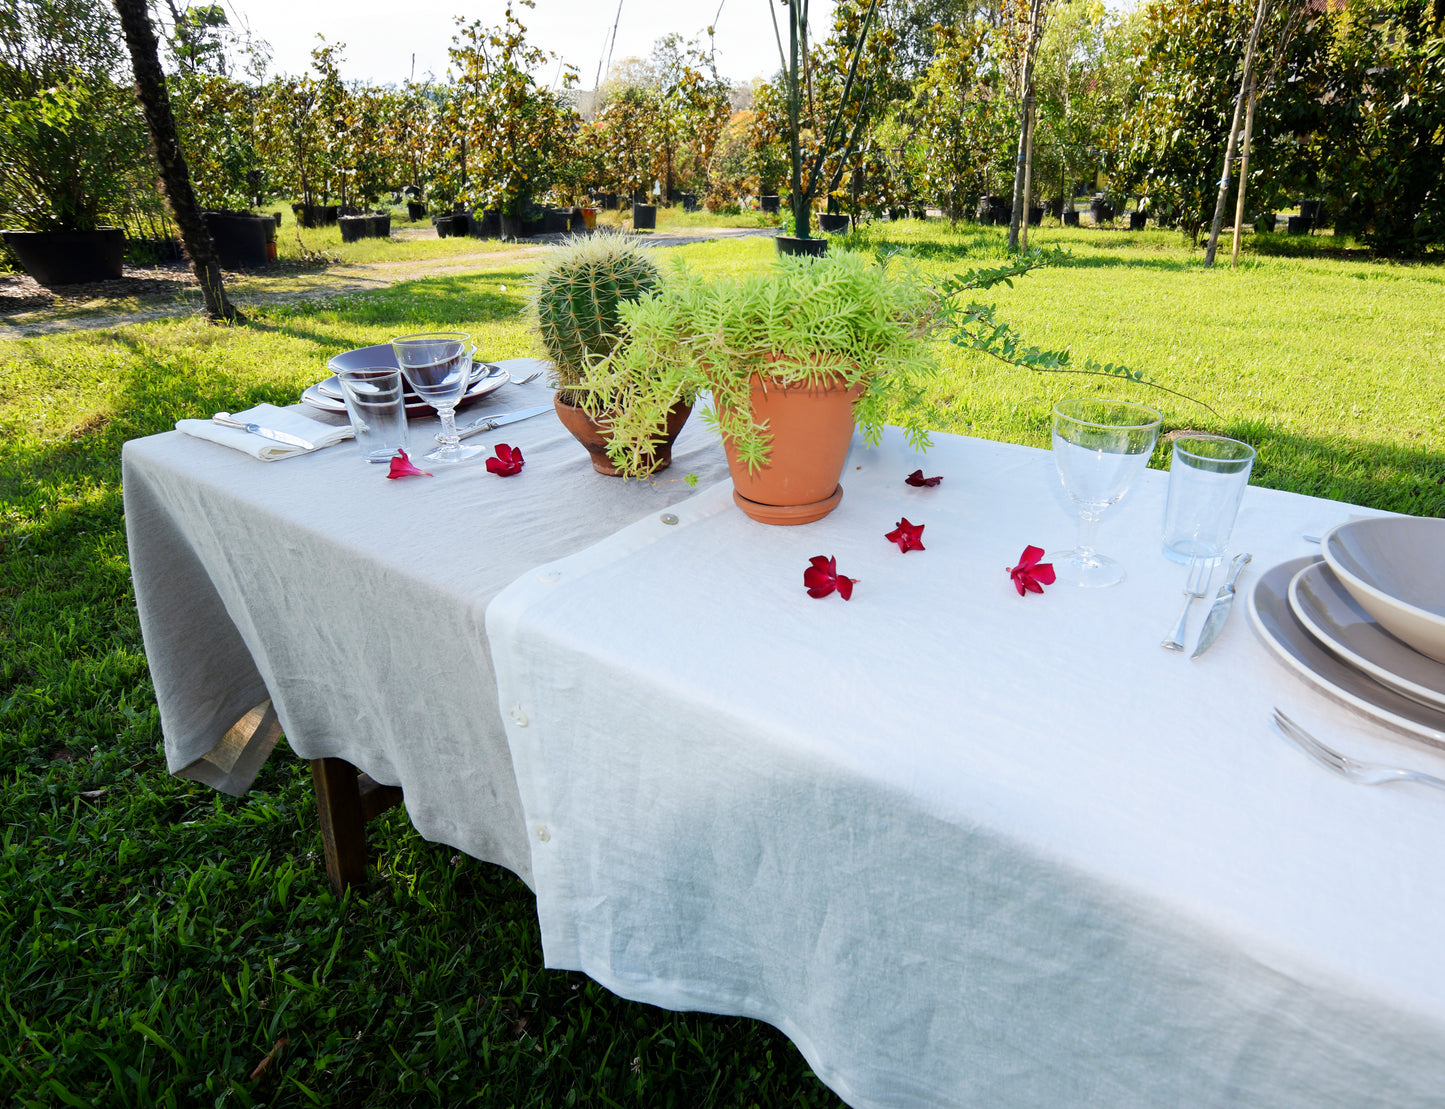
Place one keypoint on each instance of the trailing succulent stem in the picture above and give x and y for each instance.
(577, 297)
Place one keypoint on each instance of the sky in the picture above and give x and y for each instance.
(384, 41)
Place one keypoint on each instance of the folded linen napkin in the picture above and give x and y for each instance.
(288, 420)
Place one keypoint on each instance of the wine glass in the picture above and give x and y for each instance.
(438, 367)
(1100, 448)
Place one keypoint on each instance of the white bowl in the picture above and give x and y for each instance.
(1394, 566)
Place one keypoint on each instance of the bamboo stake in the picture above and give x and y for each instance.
(1243, 179)
(1245, 82)
(1028, 179)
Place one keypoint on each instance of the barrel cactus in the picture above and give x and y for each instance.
(575, 298)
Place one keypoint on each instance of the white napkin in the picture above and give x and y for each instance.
(258, 447)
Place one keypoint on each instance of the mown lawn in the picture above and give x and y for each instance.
(168, 945)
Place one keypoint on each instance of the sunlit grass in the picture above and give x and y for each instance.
(160, 940)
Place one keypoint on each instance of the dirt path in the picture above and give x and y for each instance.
(150, 293)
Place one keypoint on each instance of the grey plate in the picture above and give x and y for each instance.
(1281, 631)
(492, 379)
(1325, 607)
(1394, 566)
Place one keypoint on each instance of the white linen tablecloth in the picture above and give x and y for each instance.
(322, 598)
(966, 848)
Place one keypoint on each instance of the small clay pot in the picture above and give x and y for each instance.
(594, 434)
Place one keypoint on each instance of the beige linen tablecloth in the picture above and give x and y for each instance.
(966, 848)
(354, 604)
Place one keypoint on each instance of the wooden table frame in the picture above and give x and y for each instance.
(345, 801)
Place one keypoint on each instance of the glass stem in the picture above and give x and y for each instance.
(1088, 534)
(450, 439)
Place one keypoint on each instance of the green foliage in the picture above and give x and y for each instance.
(215, 120)
(961, 118)
(72, 141)
(67, 154)
(515, 133)
(159, 939)
(1381, 148)
(800, 320)
(577, 297)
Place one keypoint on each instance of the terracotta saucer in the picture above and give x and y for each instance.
(789, 513)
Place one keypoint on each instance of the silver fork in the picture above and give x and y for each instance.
(1195, 586)
(1363, 773)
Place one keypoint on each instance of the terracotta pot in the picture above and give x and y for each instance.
(811, 429)
(593, 434)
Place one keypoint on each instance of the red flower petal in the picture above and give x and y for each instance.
(401, 466)
(909, 537)
(1031, 575)
(821, 578)
(508, 461)
(917, 479)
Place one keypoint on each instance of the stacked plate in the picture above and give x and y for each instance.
(326, 395)
(1366, 623)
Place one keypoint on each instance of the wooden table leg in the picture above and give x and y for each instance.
(345, 801)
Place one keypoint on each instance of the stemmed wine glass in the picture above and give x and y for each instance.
(1100, 448)
(438, 367)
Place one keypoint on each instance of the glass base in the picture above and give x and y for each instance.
(443, 456)
(1088, 569)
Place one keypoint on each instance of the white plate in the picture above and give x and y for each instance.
(1335, 618)
(1280, 629)
(416, 408)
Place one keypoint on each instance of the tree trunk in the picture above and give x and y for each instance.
(1245, 81)
(1028, 181)
(1021, 168)
(150, 87)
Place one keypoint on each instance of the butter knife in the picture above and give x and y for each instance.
(490, 423)
(1219, 612)
(225, 419)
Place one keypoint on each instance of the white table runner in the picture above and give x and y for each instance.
(967, 848)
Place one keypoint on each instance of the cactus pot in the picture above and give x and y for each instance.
(593, 434)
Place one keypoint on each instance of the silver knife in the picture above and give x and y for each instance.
(1219, 612)
(489, 423)
(225, 419)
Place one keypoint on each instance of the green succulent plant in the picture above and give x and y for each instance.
(576, 297)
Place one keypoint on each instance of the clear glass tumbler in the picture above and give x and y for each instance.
(376, 402)
(1207, 478)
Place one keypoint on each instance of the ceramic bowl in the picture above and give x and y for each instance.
(1394, 567)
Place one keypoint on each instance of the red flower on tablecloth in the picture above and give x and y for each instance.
(917, 479)
(1030, 574)
(909, 537)
(822, 577)
(508, 461)
(401, 466)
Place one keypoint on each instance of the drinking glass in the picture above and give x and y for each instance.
(376, 404)
(1207, 478)
(438, 367)
(1100, 448)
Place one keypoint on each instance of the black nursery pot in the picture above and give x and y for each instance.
(70, 257)
(790, 244)
(644, 217)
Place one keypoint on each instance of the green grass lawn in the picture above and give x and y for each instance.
(162, 940)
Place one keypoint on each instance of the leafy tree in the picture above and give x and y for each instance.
(71, 138)
(1077, 93)
(215, 121)
(956, 102)
(515, 130)
(1184, 77)
(732, 169)
(631, 139)
(1381, 149)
